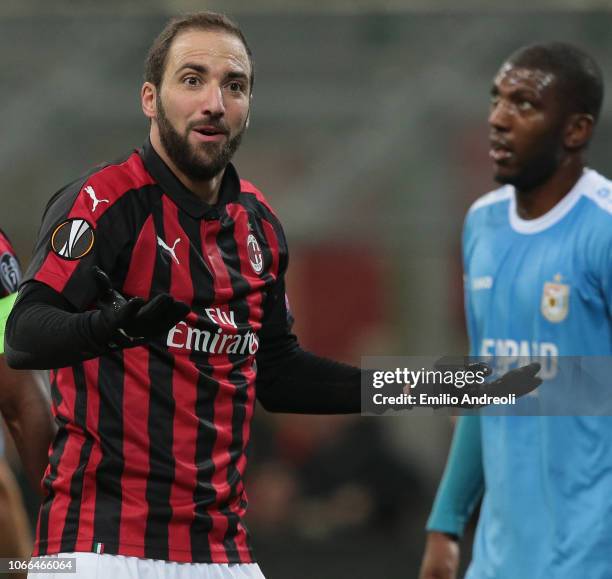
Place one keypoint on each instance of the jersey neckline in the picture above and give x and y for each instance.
(183, 197)
(558, 212)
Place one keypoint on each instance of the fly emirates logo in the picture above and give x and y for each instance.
(221, 340)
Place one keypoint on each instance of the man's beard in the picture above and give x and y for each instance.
(535, 175)
(540, 168)
(185, 156)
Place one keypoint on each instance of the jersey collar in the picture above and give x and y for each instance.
(554, 215)
(183, 197)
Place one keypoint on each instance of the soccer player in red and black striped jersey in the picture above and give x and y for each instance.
(157, 297)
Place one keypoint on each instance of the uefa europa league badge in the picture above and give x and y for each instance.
(555, 300)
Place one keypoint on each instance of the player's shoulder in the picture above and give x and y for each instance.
(93, 193)
(124, 174)
(492, 200)
(597, 189)
(489, 210)
(253, 198)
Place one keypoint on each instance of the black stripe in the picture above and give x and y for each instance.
(71, 526)
(228, 246)
(161, 416)
(203, 495)
(108, 474)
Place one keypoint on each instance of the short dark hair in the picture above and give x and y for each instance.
(155, 62)
(578, 75)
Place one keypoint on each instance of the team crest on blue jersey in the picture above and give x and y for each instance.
(555, 300)
(255, 253)
(10, 274)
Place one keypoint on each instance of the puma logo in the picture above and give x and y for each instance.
(169, 249)
(90, 191)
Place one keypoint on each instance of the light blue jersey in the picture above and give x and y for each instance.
(543, 287)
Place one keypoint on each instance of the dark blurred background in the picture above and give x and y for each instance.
(368, 135)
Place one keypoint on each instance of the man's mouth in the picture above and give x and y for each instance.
(208, 133)
(500, 151)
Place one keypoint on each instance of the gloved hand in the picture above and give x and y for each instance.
(519, 381)
(135, 321)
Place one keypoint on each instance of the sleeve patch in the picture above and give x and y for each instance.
(72, 239)
(10, 273)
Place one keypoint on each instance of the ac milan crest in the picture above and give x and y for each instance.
(255, 253)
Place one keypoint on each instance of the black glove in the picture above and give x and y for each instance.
(520, 381)
(134, 322)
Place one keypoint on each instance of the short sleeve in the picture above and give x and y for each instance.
(605, 269)
(84, 225)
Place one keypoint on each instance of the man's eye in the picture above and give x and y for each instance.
(191, 80)
(525, 105)
(494, 100)
(235, 86)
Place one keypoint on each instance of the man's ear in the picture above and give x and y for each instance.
(578, 131)
(148, 100)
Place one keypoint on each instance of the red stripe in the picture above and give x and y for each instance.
(55, 271)
(88, 498)
(36, 549)
(184, 391)
(67, 463)
(135, 412)
(142, 263)
(136, 400)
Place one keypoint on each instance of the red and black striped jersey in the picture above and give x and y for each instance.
(10, 273)
(152, 446)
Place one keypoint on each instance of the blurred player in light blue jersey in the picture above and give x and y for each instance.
(538, 282)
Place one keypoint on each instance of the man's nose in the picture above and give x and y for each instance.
(212, 100)
(500, 116)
